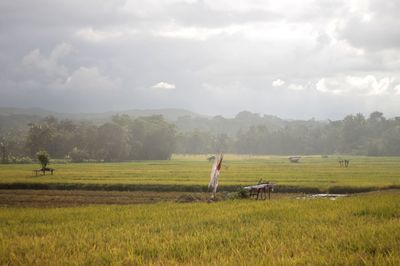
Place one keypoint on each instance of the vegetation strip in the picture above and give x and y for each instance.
(180, 188)
(125, 138)
(61, 198)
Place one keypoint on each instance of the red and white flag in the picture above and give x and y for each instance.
(215, 170)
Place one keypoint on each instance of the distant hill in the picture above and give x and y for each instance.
(185, 121)
(169, 114)
(8, 111)
(12, 117)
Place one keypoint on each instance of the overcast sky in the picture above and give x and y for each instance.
(294, 59)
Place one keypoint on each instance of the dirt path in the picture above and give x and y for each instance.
(55, 198)
(64, 198)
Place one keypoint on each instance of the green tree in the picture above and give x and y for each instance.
(111, 142)
(3, 151)
(151, 138)
(40, 137)
(78, 156)
(43, 158)
(354, 134)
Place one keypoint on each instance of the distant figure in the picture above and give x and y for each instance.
(344, 163)
(211, 158)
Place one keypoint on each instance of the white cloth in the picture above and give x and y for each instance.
(215, 170)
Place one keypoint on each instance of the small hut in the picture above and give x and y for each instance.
(294, 159)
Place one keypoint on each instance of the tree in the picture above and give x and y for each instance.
(4, 155)
(40, 137)
(111, 140)
(78, 156)
(376, 116)
(43, 158)
(354, 134)
(151, 138)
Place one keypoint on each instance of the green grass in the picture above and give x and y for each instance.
(191, 173)
(357, 230)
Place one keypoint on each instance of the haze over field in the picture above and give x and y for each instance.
(293, 59)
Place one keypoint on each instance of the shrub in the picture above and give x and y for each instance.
(43, 158)
(242, 193)
(23, 160)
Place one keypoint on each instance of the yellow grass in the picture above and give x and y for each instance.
(358, 230)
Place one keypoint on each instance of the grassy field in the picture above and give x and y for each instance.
(356, 230)
(75, 227)
(191, 173)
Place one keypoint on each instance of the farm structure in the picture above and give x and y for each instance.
(44, 170)
(294, 159)
(260, 191)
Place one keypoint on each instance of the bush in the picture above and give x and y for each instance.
(241, 193)
(24, 160)
(43, 158)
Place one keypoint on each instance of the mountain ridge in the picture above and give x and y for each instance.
(171, 114)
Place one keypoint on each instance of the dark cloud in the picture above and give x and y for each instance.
(378, 33)
(220, 56)
(374, 27)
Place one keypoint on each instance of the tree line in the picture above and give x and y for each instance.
(152, 138)
(122, 139)
(355, 135)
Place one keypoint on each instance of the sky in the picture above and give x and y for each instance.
(294, 59)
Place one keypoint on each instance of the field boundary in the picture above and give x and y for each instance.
(185, 188)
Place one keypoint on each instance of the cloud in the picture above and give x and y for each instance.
(295, 87)
(278, 83)
(329, 86)
(337, 50)
(164, 86)
(397, 89)
(89, 34)
(42, 68)
(368, 85)
(193, 33)
(47, 72)
(370, 25)
(60, 51)
(89, 80)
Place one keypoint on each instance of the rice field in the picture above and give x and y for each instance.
(355, 230)
(185, 173)
(78, 227)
